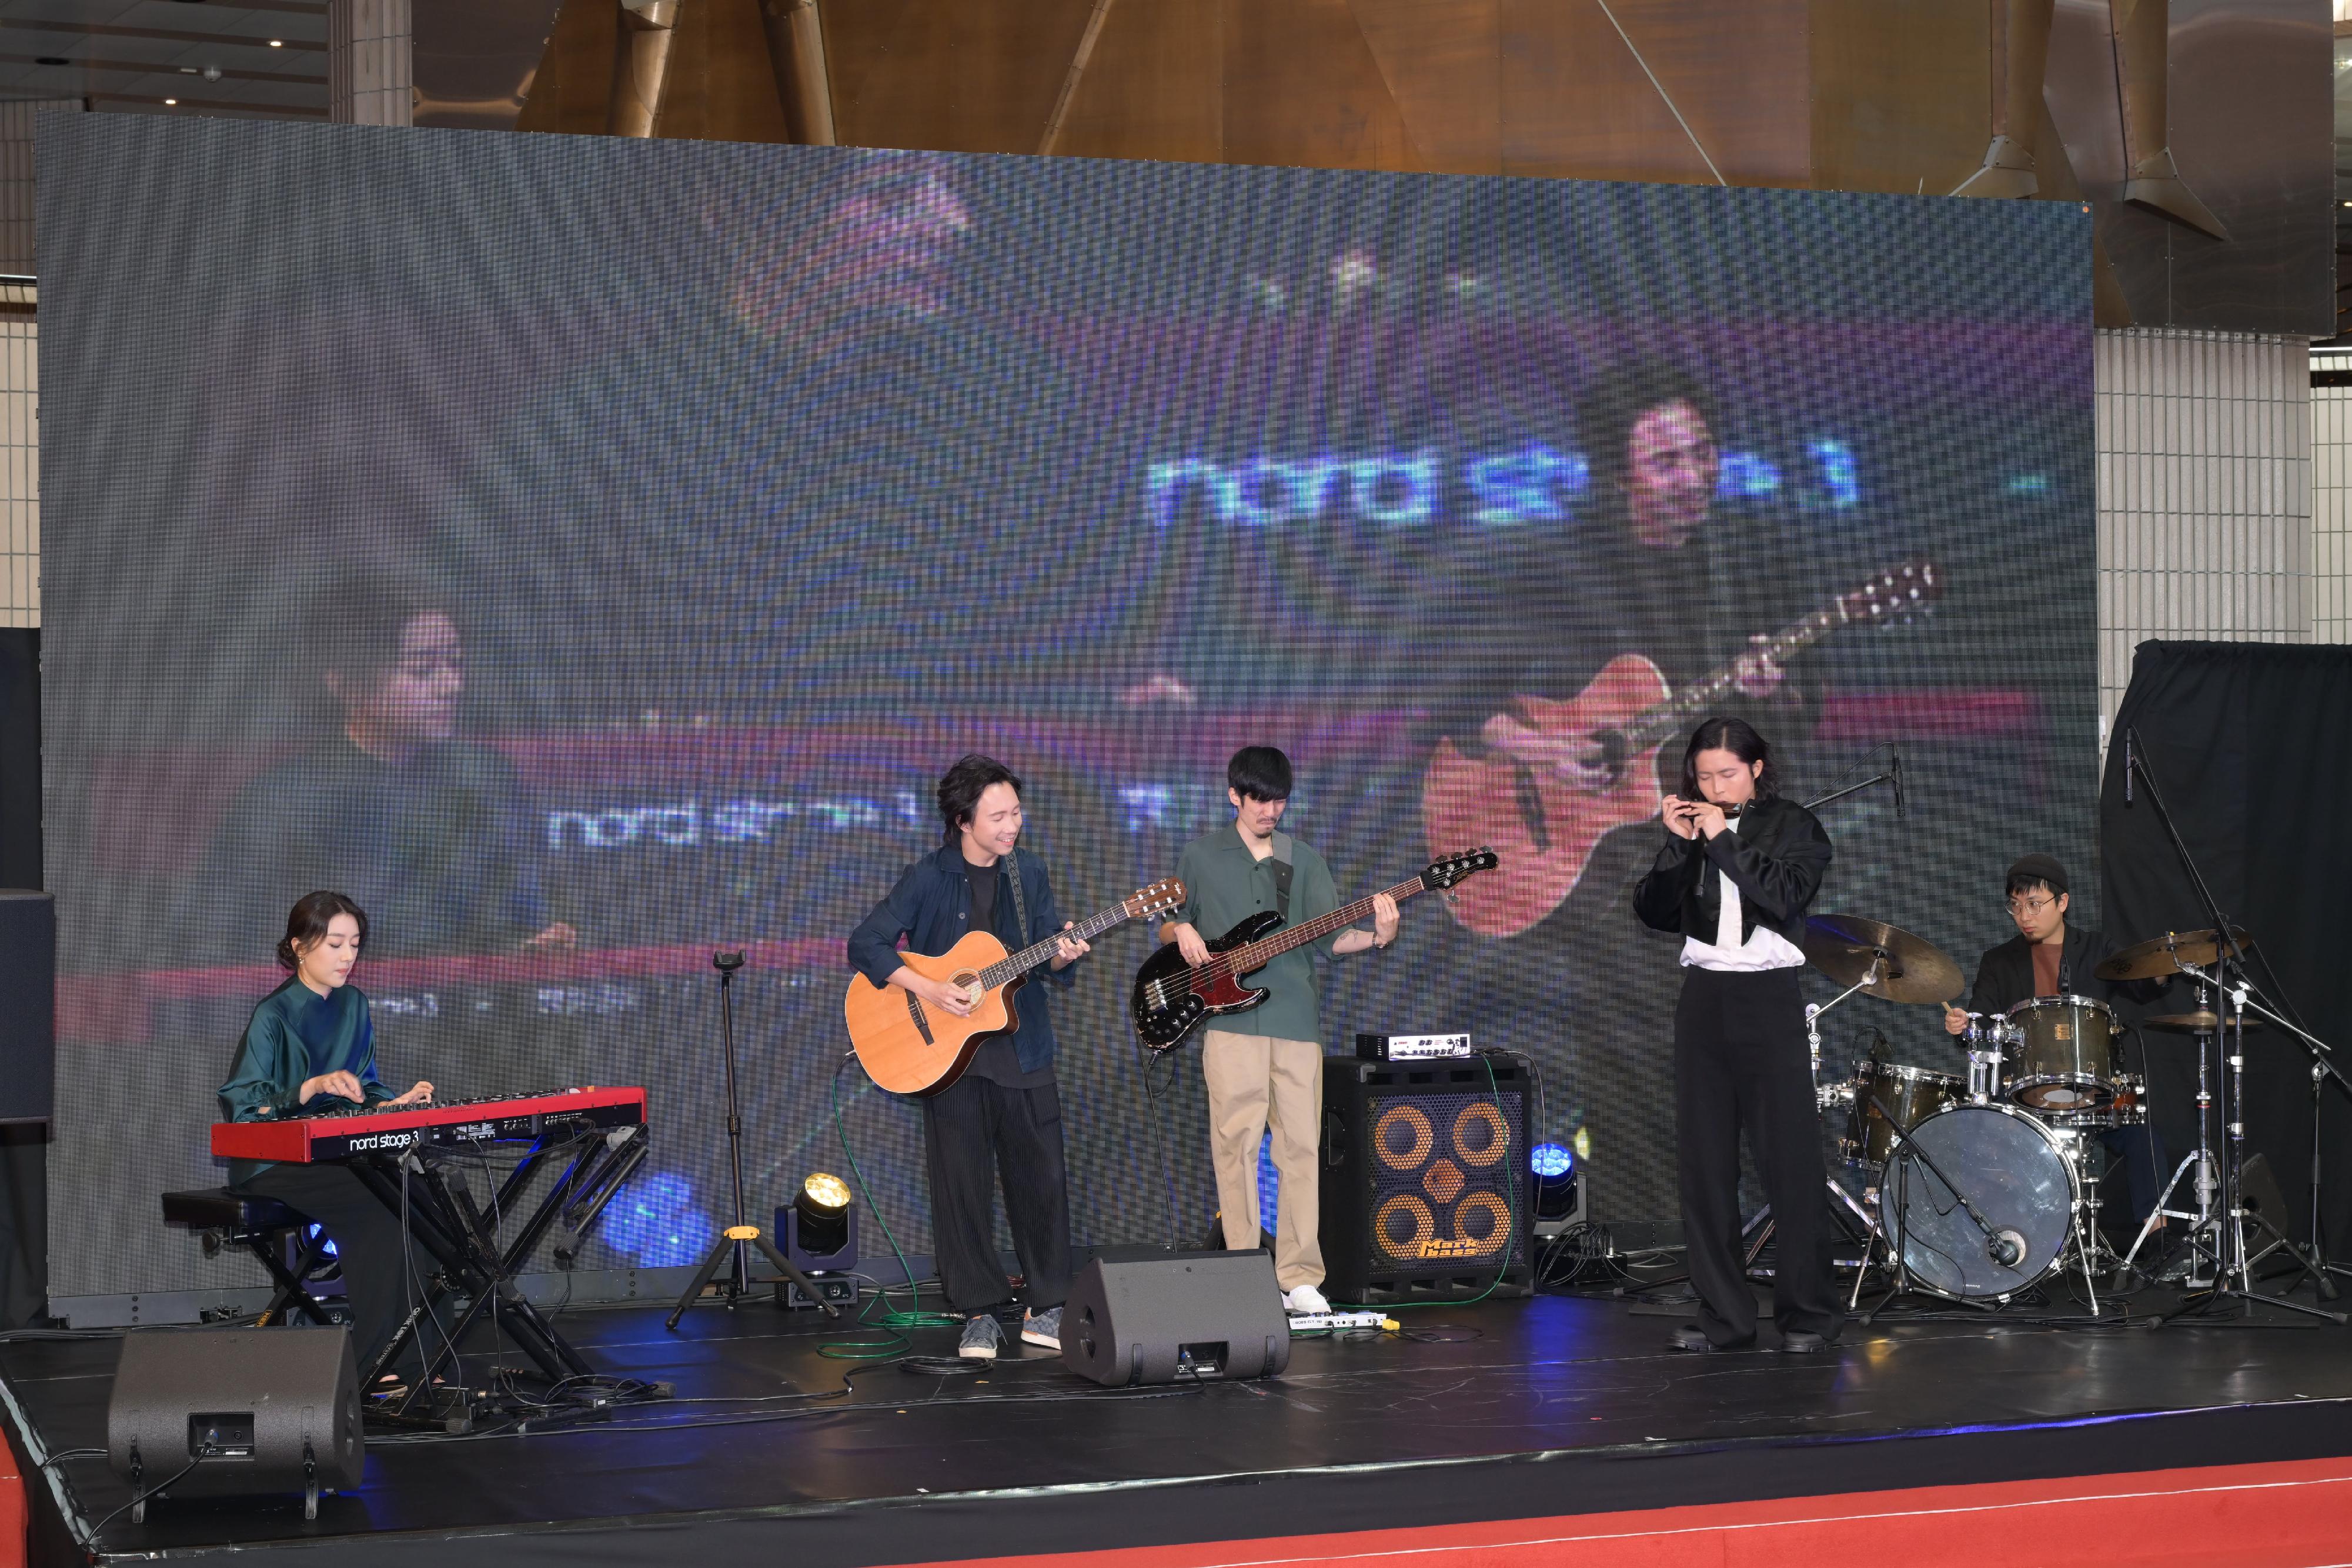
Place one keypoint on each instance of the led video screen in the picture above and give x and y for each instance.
(588, 554)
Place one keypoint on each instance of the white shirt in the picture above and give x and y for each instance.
(1764, 949)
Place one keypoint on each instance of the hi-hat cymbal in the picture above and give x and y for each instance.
(2164, 955)
(2203, 1021)
(1916, 970)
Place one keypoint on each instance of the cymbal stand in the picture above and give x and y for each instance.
(2217, 1190)
(1813, 1012)
(2240, 1263)
(2201, 1224)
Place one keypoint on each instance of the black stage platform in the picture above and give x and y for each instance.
(1501, 1410)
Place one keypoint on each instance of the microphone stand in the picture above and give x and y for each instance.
(2228, 975)
(733, 1241)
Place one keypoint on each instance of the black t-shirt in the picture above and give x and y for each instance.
(997, 1059)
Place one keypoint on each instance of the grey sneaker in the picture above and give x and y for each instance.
(982, 1337)
(1043, 1329)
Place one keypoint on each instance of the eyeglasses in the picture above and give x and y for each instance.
(2023, 904)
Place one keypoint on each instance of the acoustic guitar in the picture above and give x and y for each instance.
(1546, 823)
(1171, 996)
(908, 1047)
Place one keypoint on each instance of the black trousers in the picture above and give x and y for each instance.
(1740, 1062)
(975, 1133)
(369, 1244)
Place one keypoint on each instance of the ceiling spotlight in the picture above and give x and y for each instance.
(170, 101)
(212, 73)
(187, 70)
(276, 43)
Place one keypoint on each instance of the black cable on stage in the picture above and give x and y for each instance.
(1158, 1133)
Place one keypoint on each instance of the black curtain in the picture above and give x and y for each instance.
(2251, 746)
(24, 1148)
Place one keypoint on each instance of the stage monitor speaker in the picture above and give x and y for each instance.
(1426, 1189)
(28, 1034)
(1142, 1315)
(269, 1411)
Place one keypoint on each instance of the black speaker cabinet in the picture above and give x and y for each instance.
(1426, 1189)
(1142, 1315)
(28, 1032)
(272, 1410)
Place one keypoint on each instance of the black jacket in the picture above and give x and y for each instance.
(2005, 974)
(1776, 858)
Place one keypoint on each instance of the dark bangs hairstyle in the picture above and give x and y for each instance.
(1259, 773)
(306, 922)
(962, 786)
(1737, 736)
(1614, 401)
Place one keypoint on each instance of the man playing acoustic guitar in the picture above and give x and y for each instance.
(1005, 1111)
(1268, 1072)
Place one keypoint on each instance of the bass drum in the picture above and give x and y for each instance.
(2012, 1168)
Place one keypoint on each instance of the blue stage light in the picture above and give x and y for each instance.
(311, 1233)
(656, 1223)
(1551, 1160)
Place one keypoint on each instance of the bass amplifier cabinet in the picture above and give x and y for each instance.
(1426, 1189)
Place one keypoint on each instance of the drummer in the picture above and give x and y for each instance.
(2050, 957)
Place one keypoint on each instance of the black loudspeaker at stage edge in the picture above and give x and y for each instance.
(278, 1409)
(1139, 1314)
(1426, 1189)
(28, 1042)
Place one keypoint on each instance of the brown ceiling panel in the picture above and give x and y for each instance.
(1576, 104)
(1302, 86)
(1154, 86)
(960, 76)
(1740, 72)
(720, 83)
(1901, 94)
(1443, 62)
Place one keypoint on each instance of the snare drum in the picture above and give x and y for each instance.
(2063, 1056)
(1912, 1094)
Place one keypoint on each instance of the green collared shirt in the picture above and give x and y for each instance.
(1224, 884)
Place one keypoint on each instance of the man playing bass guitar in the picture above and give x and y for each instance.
(1268, 1072)
(1005, 1111)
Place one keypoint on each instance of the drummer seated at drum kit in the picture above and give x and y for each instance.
(2062, 1062)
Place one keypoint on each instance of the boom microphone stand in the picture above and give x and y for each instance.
(733, 1241)
(2228, 978)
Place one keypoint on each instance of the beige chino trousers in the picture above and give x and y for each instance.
(1256, 1081)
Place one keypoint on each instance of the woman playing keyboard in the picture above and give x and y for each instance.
(309, 1049)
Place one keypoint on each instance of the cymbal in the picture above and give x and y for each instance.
(2164, 955)
(1916, 970)
(2204, 1022)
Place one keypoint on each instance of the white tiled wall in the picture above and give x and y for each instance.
(2204, 492)
(20, 477)
(2331, 514)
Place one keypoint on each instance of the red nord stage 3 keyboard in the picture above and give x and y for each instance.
(506, 1118)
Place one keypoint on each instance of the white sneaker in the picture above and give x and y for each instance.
(1302, 1300)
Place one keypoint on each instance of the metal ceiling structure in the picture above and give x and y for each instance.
(246, 58)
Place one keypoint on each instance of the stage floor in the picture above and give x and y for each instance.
(1505, 1409)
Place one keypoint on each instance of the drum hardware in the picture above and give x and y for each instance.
(2215, 957)
(2034, 1182)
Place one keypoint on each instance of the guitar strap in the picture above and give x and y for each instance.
(1282, 875)
(1019, 905)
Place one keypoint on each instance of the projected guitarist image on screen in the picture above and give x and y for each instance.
(1659, 613)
